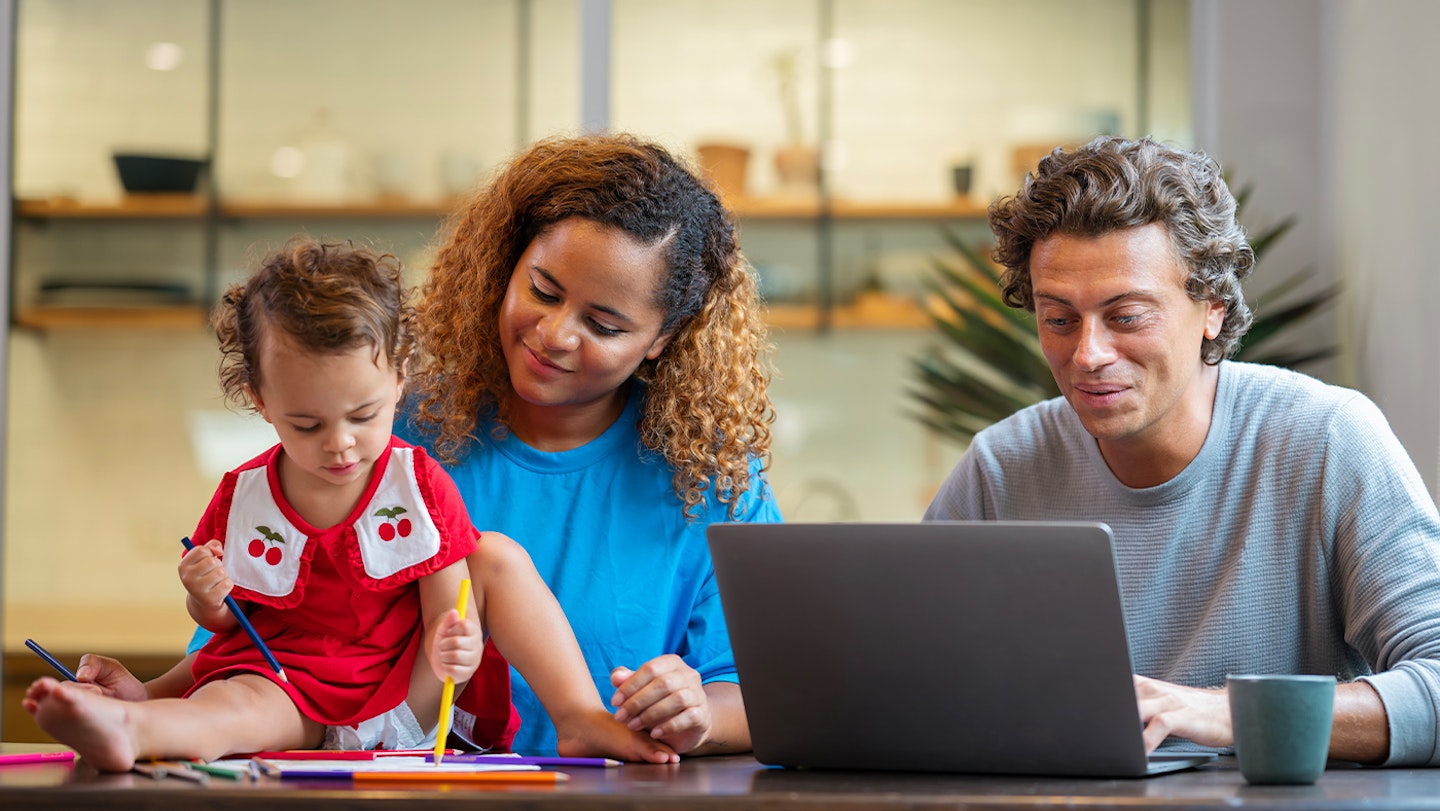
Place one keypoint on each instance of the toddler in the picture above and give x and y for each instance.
(347, 547)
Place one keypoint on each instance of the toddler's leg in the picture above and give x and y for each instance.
(424, 696)
(530, 630)
(245, 713)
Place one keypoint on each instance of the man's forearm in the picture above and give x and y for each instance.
(1361, 731)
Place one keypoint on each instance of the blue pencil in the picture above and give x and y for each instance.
(249, 629)
(55, 663)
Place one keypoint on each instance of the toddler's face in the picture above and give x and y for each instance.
(333, 412)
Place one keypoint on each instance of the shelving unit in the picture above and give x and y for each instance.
(843, 209)
(135, 206)
(193, 206)
(398, 208)
(151, 316)
(875, 311)
(196, 208)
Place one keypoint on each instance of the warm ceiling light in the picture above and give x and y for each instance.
(287, 162)
(163, 56)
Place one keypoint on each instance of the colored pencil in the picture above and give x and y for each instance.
(461, 777)
(345, 754)
(53, 662)
(520, 760)
(249, 629)
(183, 770)
(265, 767)
(160, 770)
(36, 757)
(447, 694)
(217, 771)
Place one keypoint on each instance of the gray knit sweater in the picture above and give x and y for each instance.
(1301, 539)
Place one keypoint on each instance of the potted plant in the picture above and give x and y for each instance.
(989, 364)
(797, 161)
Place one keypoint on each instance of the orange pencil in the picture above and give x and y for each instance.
(461, 777)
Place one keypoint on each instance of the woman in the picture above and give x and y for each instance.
(594, 379)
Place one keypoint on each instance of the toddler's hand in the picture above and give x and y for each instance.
(456, 650)
(205, 580)
(109, 678)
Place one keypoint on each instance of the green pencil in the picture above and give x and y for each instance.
(218, 771)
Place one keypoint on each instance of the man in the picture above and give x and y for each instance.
(1264, 522)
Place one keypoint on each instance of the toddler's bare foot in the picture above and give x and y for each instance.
(600, 735)
(97, 728)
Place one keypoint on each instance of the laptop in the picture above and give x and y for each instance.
(981, 647)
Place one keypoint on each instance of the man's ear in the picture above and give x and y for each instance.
(1214, 319)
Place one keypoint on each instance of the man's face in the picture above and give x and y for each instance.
(1123, 339)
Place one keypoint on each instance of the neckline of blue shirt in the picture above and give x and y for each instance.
(613, 440)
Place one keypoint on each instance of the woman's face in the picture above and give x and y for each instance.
(580, 314)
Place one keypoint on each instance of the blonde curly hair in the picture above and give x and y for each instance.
(706, 411)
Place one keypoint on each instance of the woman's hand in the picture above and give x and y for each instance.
(666, 698)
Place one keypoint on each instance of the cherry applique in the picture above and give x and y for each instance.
(390, 531)
(262, 548)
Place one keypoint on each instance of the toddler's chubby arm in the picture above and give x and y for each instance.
(531, 631)
(206, 585)
(452, 645)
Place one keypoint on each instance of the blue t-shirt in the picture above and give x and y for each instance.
(608, 535)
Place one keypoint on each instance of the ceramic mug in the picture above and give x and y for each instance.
(1281, 726)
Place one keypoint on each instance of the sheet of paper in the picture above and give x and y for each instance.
(394, 763)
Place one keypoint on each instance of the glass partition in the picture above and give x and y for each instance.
(849, 136)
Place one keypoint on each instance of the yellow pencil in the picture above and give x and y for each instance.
(447, 695)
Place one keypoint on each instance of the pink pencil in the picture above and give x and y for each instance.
(36, 757)
(342, 754)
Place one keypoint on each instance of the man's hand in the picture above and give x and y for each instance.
(1201, 716)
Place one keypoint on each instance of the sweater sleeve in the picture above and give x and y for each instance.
(1387, 573)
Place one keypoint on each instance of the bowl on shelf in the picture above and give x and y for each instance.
(144, 173)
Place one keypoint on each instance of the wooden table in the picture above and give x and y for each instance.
(731, 782)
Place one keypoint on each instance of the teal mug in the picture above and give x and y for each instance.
(1281, 726)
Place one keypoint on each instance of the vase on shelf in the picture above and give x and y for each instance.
(797, 165)
(726, 164)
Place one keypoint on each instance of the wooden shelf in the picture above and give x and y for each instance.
(191, 206)
(172, 316)
(868, 311)
(130, 207)
(375, 209)
(792, 208)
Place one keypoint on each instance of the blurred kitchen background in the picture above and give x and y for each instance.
(850, 136)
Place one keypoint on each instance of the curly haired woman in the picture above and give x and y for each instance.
(594, 379)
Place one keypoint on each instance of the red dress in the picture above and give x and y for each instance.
(340, 607)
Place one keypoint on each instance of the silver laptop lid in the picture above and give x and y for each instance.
(990, 647)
